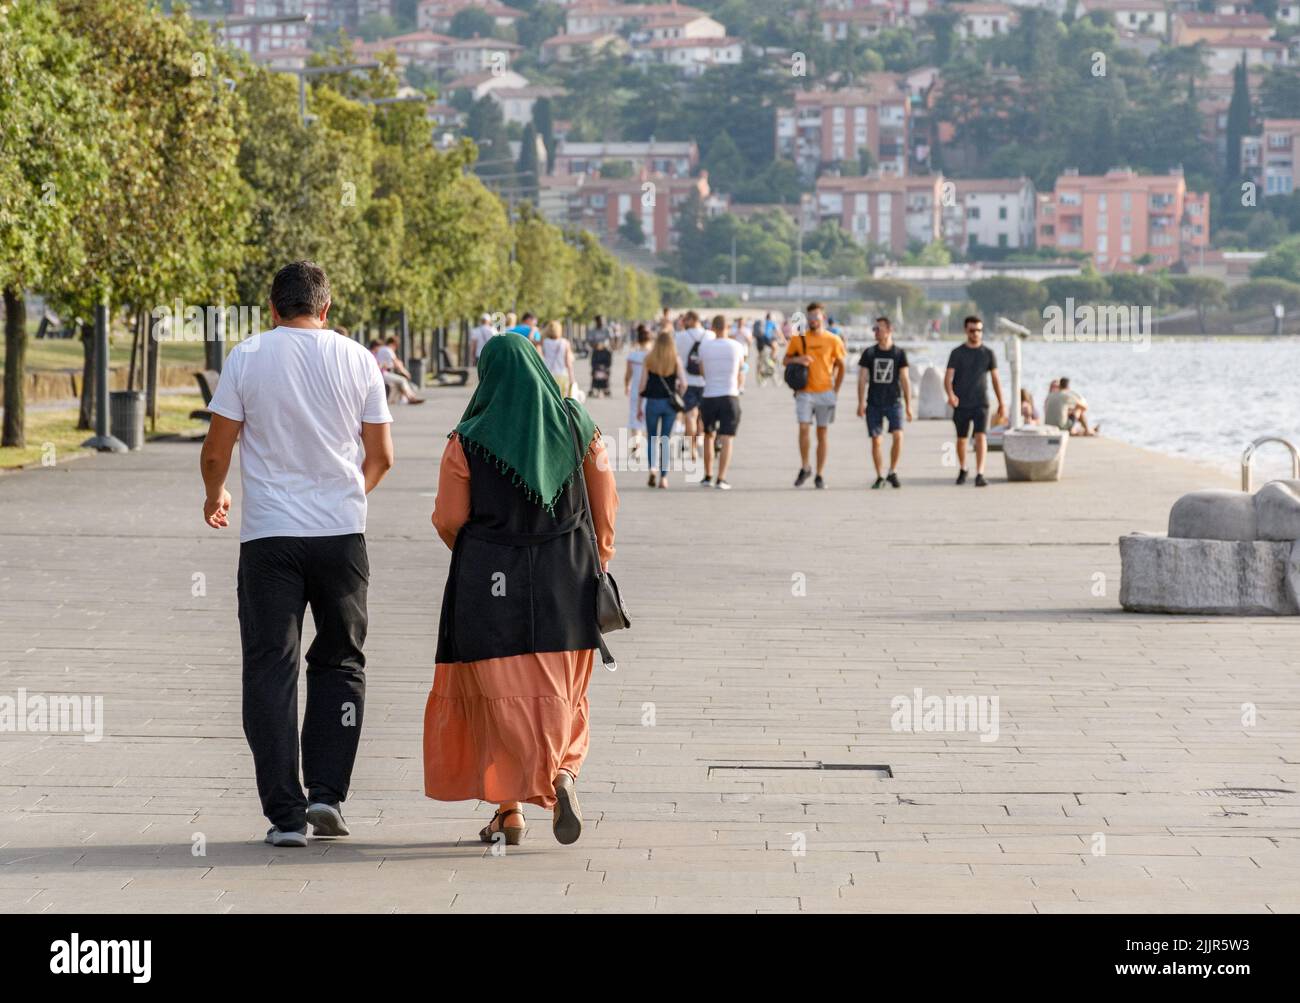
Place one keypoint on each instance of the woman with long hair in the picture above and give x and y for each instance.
(662, 377)
(557, 353)
(506, 721)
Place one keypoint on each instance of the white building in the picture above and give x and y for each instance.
(517, 102)
(982, 20)
(693, 55)
(988, 212)
(1146, 16)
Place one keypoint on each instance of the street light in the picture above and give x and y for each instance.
(304, 72)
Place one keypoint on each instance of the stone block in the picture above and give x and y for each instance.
(1034, 454)
(1161, 574)
(933, 403)
(1277, 511)
(1213, 515)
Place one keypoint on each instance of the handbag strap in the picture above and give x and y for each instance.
(608, 659)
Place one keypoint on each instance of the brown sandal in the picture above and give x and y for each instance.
(566, 823)
(514, 833)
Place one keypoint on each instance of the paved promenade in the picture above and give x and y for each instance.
(777, 631)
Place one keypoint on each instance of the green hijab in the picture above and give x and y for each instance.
(517, 418)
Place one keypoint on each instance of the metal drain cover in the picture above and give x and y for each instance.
(880, 772)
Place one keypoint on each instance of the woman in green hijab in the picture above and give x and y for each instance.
(507, 720)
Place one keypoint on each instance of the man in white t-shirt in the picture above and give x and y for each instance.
(722, 358)
(687, 339)
(309, 411)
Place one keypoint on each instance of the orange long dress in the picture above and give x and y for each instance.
(500, 729)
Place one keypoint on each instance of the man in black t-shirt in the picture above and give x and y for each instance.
(966, 384)
(884, 394)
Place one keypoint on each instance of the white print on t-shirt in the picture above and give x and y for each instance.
(883, 371)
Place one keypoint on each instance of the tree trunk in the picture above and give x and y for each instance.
(86, 418)
(15, 367)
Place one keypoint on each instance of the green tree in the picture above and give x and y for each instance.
(471, 22)
(1264, 293)
(631, 229)
(725, 164)
(544, 122)
(885, 293)
(50, 128)
(1238, 117)
(1082, 289)
(1201, 292)
(1005, 296)
(528, 167)
(1283, 262)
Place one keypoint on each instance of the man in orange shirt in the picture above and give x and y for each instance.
(823, 353)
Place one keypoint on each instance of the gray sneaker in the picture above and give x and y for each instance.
(326, 820)
(286, 837)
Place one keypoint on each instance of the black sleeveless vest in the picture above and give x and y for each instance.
(521, 580)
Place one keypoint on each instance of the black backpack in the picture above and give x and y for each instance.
(796, 374)
(693, 366)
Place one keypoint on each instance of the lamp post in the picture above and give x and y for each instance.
(304, 72)
(102, 440)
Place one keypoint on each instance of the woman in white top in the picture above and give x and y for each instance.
(632, 378)
(557, 353)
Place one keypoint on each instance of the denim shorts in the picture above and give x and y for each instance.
(692, 397)
(821, 406)
(877, 413)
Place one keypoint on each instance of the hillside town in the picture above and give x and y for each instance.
(885, 132)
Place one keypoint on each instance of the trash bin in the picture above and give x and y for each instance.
(416, 368)
(126, 417)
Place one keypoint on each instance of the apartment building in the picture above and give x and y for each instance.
(1269, 159)
(437, 15)
(826, 127)
(259, 39)
(670, 159)
(1192, 27)
(883, 210)
(1121, 217)
(585, 18)
(988, 213)
(601, 205)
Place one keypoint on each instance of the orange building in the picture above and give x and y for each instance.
(1121, 216)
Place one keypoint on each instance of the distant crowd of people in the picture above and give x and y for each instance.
(684, 377)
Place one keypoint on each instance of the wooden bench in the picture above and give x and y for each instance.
(448, 374)
(207, 381)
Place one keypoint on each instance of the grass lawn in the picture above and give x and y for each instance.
(65, 353)
(57, 429)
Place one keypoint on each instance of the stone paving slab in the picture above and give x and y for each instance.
(773, 628)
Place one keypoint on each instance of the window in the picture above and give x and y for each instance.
(973, 212)
(1002, 240)
(1069, 198)
(1002, 212)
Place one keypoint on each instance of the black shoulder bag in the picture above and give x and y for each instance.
(796, 373)
(674, 398)
(611, 614)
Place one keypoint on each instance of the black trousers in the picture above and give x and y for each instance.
(279, 577)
